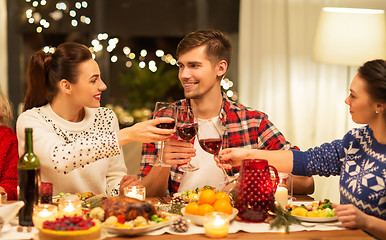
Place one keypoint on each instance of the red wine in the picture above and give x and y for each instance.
(211, 145)
(169, 125)
(187, 131)
(29, 193)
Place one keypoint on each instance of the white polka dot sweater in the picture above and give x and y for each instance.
(75, 157)
(361, 163)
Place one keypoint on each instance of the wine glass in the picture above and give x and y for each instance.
(210, 138)
(187, 128)
(164, 109)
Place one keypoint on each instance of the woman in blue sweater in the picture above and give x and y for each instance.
(359, 158)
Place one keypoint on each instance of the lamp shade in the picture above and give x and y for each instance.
(350, 36)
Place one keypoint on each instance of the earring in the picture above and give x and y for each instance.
(376, 111)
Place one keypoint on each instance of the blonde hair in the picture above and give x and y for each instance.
(5, 110)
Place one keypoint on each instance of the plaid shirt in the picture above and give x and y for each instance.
(244, 127)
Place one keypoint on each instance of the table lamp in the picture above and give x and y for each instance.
(350, 36)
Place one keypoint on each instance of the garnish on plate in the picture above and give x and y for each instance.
(282, 218)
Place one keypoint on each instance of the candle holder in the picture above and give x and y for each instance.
(216, 224)
(284, 190)
(42, 213)
(138, 192)
(46, 192)
(3, 197)
(69, 207)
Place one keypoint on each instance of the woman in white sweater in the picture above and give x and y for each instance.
(77, 141)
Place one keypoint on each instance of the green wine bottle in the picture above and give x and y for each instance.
(29, 180)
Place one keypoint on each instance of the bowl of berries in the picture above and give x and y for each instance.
(67, 228)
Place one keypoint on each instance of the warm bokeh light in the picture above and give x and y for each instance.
(143, 53)
(159, 53)
(114, 58)
(132, 55)
(142, 64)
(126, 50)
(74, 23)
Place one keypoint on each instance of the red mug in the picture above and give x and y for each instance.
(254, 193)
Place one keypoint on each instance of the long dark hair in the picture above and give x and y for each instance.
(46, 70)
(374, 73)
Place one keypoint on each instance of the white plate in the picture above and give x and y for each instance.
(137, 230)
(199, 220)
(317, 219)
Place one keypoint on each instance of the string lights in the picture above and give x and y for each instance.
(33, 16)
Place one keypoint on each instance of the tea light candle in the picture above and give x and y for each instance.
(70, 207)
(138, 192)
(216, 224)
(281, 196)
(42, 213)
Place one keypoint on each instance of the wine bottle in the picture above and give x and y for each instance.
(29, 180)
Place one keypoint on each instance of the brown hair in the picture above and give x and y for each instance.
(46, 70)
(5, 110)
(218, 46)
(374, 73)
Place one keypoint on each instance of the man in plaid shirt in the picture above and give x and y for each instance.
(203, 59)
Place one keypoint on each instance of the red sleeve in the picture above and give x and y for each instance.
(8, 162)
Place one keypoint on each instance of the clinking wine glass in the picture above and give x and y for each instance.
(210, 137)
(187, 128)
(164, 109)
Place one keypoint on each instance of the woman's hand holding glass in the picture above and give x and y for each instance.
(145, 132)
(231, 157)
(164, 110)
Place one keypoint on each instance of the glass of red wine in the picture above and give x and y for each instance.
(210, 138)
(187, 128)
(164, 109)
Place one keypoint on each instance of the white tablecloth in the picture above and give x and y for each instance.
(10, 232)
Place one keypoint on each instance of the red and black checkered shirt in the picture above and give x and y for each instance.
(244, 127)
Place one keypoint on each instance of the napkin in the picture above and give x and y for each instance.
(9, 211)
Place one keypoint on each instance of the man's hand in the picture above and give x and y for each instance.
(178, 152)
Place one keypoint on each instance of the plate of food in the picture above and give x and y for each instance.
(317, 211)
(129, 216)
(139, 225)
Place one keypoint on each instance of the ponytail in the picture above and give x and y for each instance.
(37, 74)
(46, 70)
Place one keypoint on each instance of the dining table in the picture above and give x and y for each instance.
(307, 234)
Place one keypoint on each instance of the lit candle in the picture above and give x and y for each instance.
(281, 196)
(70, 207)
(138, 192)
(216, 224)
(42, 213)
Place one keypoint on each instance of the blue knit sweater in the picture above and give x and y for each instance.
(361, 163)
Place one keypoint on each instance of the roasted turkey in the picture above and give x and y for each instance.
(131, 208)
